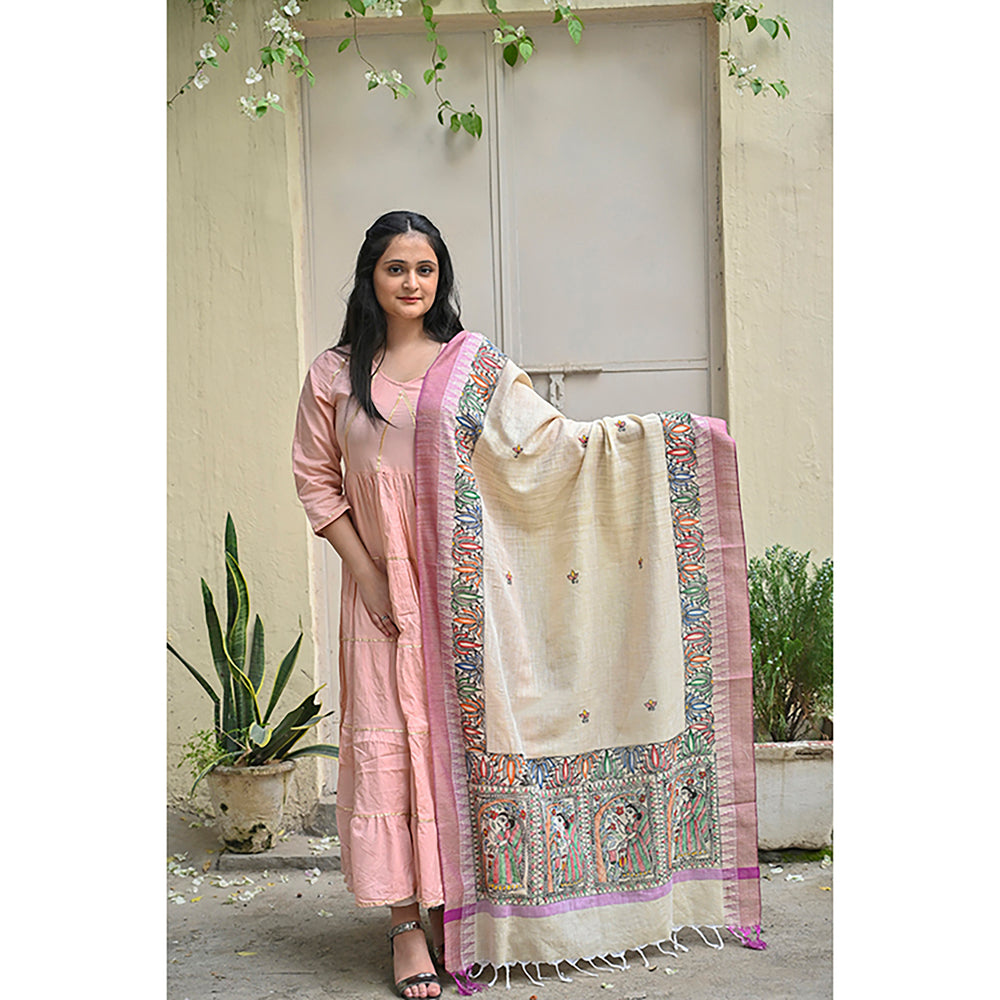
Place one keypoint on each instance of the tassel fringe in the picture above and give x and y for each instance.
(465, 979)
(744, 934)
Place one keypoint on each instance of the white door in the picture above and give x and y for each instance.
(583, 226)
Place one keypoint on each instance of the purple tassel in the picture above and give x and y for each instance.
(467, 986)
(743, 933)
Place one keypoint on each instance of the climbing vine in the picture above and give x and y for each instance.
(283, 46)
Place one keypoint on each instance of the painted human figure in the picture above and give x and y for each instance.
(502, 845)
(635, 853)
(692, 826)
(567, 861)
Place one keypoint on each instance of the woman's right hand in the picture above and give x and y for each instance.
(373, 584)
(374, 590)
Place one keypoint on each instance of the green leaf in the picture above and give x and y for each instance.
(526, 48)
(756, 86)
(780, 88)
(751, 22)
(358, 6)
(222, 42)
(558, 17)
(428, 75)
(575, 28)
(311, 77)
(719, 11)
(215, 641)
(236, 637)
(770, 26)
(284, 672)
(290, 730)
(209, 690)
(343, 45)
(231, 550)
(316, 750)
(249, 707)
(226, 759)
(456, 123)
(255, 670)
(440, 52)
(279, 54)
(259, 735)
(372, 84)
(510, 54)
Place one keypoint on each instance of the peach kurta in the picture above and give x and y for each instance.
(346, 464)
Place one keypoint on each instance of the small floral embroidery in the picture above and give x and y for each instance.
(650, 705)
(621, 425)
(583, 439)
(573, 576)
(585, 716)
(640, 562)
(517, 449)
(510, 579)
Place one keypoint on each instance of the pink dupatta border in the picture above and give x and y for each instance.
(435, 453)
(732, 672)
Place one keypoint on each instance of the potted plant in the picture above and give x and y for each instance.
(791, 638)
(247, 758)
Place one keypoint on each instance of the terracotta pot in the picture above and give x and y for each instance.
(248, 803)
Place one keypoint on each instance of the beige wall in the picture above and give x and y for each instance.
(232, 378)
(235, 356)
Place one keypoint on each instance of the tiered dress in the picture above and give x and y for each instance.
(385, 804)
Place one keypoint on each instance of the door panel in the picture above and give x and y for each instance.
(606, 188)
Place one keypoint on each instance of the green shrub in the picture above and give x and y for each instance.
(791, 637)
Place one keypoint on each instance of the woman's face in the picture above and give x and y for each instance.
(406, 277)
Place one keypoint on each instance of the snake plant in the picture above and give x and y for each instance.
(244, 732)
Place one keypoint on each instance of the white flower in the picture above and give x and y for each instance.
(253, 76)
(272, 98)
(200, 79)
(278, 24)
(520, 31)
(291, 8)
(206, 51)
(396, 75)
(498, 35)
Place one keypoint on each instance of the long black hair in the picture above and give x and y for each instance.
(364, 325)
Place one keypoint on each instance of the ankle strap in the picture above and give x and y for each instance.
(410, 925)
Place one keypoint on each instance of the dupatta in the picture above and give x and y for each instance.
(586, 639)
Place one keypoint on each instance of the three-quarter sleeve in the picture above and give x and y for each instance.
(316, 452)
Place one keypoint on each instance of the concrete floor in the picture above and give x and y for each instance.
(292, 934)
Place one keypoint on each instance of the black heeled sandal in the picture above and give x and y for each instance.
(437, 950)
(421, 978)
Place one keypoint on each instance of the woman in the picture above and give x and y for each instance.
(518, 631)
(354, 469)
